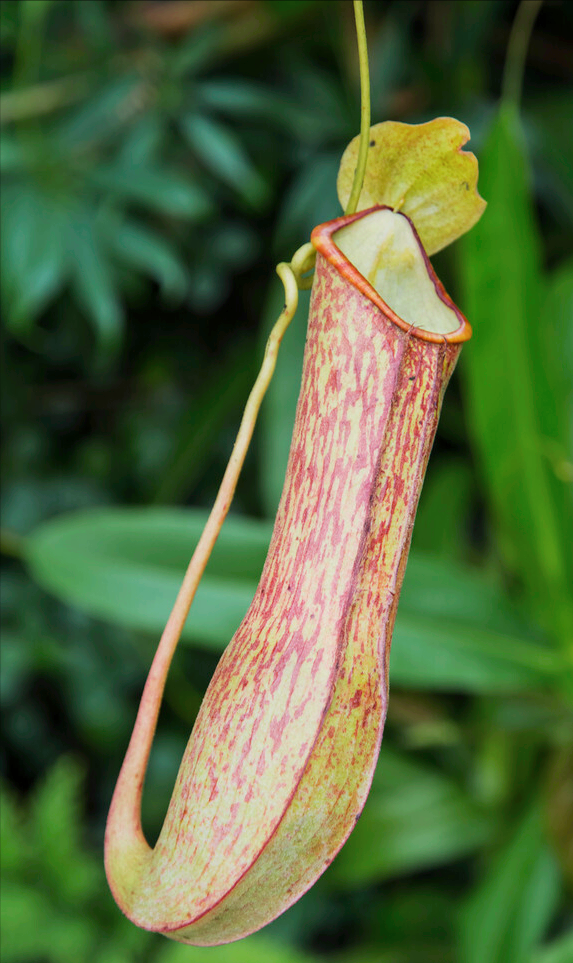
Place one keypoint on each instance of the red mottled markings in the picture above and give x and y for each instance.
(277, 729)
(355, 701)
(292, 720)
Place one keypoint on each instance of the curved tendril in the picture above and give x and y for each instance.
(291, 277)
(364, 108)
(125, 814)
(519, 38)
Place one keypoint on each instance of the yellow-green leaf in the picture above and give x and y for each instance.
(420, 170)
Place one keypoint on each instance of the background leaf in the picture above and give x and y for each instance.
(137, 284)
(413, 818)
(453, 631)
(507, 378)
(93, 281)
(509, 912)
(127, 566)
(222, 154)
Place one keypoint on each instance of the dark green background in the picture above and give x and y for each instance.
(157, 160)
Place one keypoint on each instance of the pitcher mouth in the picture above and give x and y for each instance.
(325, 242)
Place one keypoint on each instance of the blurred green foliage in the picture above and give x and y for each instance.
(156, 160)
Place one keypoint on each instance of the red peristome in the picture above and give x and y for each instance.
(322, 239)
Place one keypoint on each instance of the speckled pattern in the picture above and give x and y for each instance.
(282, 754)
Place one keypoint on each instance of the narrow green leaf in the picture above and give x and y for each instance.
(35, 259)
(222, 153)
(12, 154)
(99, 118)
(34, 11)
(509, 912)
(506, 383)
(144, 142)
(437, 587)
(443, 511)
(147, 251)
(14, 844)
(236, 97)
(94, 284)
(32, 31)
(559, 348)
(164, 191)
(452, 655)
(560, 951)
(126, 565)
(196, 51)
(414, 817)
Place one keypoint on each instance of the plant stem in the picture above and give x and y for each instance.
(546, 524)
(29, 41)
(517, 52)
(364, 108)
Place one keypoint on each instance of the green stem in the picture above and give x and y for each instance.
(545, 522)
(517, 52)
(29, 41)
(364, 108)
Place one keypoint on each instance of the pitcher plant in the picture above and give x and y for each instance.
(282, 754)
